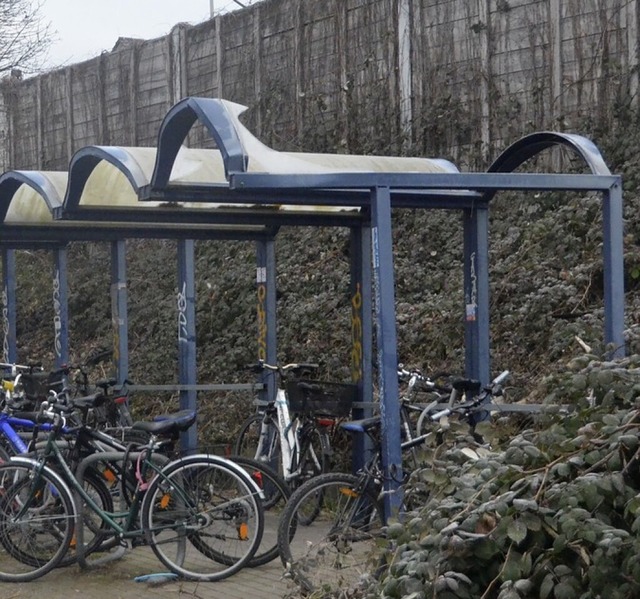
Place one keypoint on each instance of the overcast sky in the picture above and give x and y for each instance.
(85, 28)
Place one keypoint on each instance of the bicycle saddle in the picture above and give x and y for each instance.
(361, 426)
(466, 385)
(168, 424)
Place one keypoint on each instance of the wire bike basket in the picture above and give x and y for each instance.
(321, 397)
(36, 385)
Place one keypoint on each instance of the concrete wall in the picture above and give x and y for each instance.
(454, 78)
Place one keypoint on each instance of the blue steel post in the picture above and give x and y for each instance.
(476, 293)
(613, 249)
(361, 334)
(9, 311)
(60, 308)
(119, 314)
(187, 373)
(383, 284)
(266, 311)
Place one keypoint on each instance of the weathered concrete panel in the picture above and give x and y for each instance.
(325, 75)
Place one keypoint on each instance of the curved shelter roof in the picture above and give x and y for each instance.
(104, 183)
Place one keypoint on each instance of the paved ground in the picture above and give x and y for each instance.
(115, 581)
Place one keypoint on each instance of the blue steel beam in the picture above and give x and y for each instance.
(425, 181)
(266, 313)
(361, 335)
(187, 371)
(613, 256)
(47, 237)
(238, 218)
(178, 122)
(383, 285)
(9, 311)
(476, 292)
(530, 145)
(215, 193)
(60, 307)
(119, 311)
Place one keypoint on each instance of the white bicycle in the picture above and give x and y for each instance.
(293, 433)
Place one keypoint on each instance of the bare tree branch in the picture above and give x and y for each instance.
(25, 37)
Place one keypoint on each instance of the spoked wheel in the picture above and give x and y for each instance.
(314, 460)
(333, 551)
(276, 494)
(203, 517)
(248, 441)
(36, 521)
(95, 530)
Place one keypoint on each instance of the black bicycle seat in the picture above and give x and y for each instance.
(167, 424)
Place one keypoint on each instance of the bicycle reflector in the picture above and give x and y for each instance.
(243, 531)
(349, 492)
(120, 400)
(257, 477)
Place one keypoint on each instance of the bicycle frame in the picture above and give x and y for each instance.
(287, 435)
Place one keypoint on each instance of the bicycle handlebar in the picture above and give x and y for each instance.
(501, 378)
(36, 367)
(262, 365)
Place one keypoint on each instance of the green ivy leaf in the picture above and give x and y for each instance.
(517, 531)
(547, 586)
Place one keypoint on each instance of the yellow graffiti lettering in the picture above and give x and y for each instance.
(356, 335)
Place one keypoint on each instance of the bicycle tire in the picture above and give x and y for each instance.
(93, 524)
(37, 516)
(213, 504)
(332, 551)
(4, 454)
(314, 461)
(314, 453)
(277, 493)
(248, 439)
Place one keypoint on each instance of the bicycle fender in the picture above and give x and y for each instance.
(229, 464)
(22, 461)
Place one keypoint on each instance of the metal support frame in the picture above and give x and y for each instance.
(383, 285)
(378, 192)
(60, 307)
(613, 257)
(9, 311)
(119, 311)
(474, 193)
(361, 335)
(476, 292)
(266, 312)
(187, 370)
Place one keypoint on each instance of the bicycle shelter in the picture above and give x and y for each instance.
(244, 189)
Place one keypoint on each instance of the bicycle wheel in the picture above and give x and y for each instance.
(249, 443)
(276, 494)
(203, 517)
(95, 529)
(315, 447)
(36, 520)
(4, 454)
(331, 552)
(314, 460)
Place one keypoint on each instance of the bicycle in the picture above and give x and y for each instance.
(107, 480)
(294, 431)
(336, 544)
(201, 515)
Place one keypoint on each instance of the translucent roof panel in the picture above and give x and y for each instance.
(29, 197)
